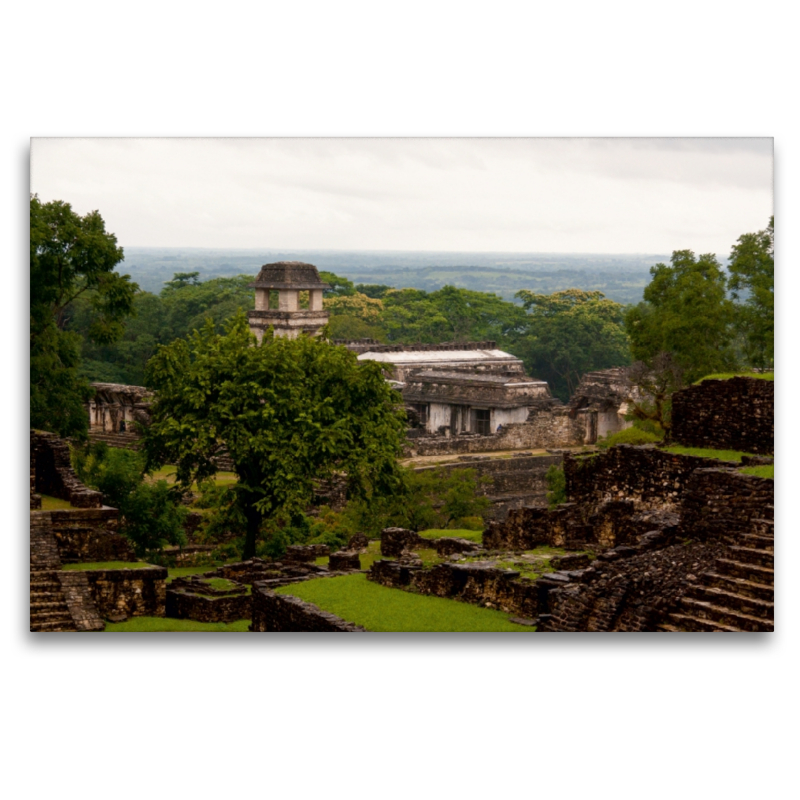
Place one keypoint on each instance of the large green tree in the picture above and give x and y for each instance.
(570, 333)
(752, 285)
(685, 312)
(289, 412)
(72, 260)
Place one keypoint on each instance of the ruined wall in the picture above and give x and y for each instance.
(723, 505)
(736, 414)
(187, 605)
(53, 473)
(276, 612)
(543, 429)
(629, 594)
(129, 592)
(650, 477)
(514, 482)
(576, 527)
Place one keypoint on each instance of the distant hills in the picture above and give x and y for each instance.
(619, 277)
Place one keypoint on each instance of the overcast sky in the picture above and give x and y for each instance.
(531, 195)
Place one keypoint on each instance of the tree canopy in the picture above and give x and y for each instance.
(289, 412)
(72, 261)
(685, 312)
(570, 333)
(752, 285)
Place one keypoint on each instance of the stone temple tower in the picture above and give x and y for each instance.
(288, 279)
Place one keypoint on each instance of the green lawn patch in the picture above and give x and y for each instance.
(724, 376)
(55, 503)
(378, 608)
(461, 533)
(167, 473)
(165, 625)
(628, 436)
(182, 572)
(108, 565)
(763, 471)
(722, 455)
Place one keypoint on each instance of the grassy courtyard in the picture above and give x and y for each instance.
(378, 608)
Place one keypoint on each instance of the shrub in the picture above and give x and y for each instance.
(556, 486)
(152, 515)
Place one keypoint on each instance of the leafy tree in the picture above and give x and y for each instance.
(354, 316)
(374, 290)
(570, 333)
(752, 284)
(685, 312)
(72, 258)
(288, 411)
(449, 314)
(340, 287)
(437, 498)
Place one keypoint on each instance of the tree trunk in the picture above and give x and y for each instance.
(253, 524)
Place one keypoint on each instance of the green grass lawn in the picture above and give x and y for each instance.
(108, 565)
(54, 503)
(166, 624)
(724, 376)
(764, 471)
(167, 473)
(182, 572)
(461, 533)
(723, 455)
(378, 608)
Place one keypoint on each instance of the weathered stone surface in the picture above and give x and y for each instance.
(358, 542)
(344, 561)
(52, 472)
(396, 541)
(274, 613)
(130, 592)
(306, 552)
(644, 475)
(447, 545)
(185, 603)
(736, 414)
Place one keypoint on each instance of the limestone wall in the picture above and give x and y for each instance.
(276, 612)
(650, 477)
(723, 505)
(129, 592)
(543, 429)
(736, 414)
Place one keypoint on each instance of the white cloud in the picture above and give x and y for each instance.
(547, 195)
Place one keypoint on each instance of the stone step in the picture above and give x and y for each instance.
(53, 626)
(43, 614)
(39, 606)
(724, 616)
(750, 572)
(739, 586)
(751, 555)
(758, 542)
(690, 624)
(742, 604)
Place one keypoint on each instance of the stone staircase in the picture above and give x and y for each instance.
(739, 593)
(49, 610)
(130, 440)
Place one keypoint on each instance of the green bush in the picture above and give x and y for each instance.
(634, 435)
(152, 514)
(556, 486)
